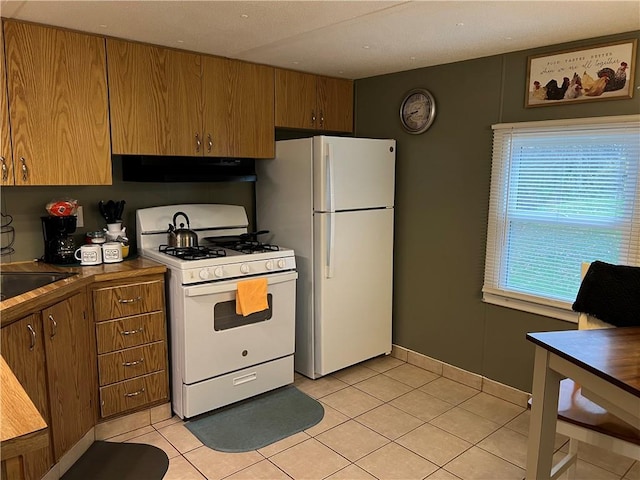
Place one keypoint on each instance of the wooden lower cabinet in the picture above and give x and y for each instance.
(23, 349)
(132, 362)
(131, 343)
(134, 393)
(129, 332)
(70, 371)
(51, 354)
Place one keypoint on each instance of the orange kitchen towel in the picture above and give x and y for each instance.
(251, 296)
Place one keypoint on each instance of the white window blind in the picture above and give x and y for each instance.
(562, 193)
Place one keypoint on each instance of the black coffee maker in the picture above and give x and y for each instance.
(59, 245)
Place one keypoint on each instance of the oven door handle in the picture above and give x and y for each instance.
(222, 287)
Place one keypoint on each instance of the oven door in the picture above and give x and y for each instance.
(218, 341)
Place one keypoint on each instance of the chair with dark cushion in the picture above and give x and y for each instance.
(579, 418)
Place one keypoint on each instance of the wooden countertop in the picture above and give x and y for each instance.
(22, 428)
(17, 307)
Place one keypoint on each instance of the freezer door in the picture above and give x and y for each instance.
(353, 282)
(353, 173)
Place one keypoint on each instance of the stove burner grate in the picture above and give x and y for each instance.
(247, 246)
(192, 253)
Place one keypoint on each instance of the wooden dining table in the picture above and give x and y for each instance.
(605, 362)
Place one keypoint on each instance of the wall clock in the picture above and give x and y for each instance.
(417, 111)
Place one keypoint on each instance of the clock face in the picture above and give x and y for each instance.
(417, 111)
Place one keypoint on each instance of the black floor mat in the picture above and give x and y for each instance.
(119, 461)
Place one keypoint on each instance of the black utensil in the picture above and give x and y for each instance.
(120, 209)
(103, 211)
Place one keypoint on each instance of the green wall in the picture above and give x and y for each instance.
(442, 196)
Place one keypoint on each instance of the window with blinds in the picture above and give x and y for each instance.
(562, 193)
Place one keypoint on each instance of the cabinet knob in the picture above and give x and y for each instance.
(198, 143)
(209, 143)
(313, 118)
(25, 171)
(321, 120)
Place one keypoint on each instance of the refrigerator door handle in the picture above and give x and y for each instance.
(331, 245)
(329, 167)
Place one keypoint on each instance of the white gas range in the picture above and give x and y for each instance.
(218, 356)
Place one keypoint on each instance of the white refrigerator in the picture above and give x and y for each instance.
(331, 200)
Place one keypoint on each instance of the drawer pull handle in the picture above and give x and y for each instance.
(129, 300)
(132, 364)
(132, 332)
(134, 394)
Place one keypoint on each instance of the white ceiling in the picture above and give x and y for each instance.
(351, 39)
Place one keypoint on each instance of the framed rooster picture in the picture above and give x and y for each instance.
(601, 72)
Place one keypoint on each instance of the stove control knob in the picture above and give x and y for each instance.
(218, 272)
(282, 263)
(204, 274)
(244, 268)
(269, 265)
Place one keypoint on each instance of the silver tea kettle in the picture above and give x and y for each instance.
(182, 237)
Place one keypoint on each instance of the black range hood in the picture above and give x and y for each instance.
(151, 168)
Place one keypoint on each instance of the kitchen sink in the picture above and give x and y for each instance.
(17, 283)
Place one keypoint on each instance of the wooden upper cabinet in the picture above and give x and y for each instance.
(295, 99)
(238, 108)
(335, 104)
(155, 98)
(6, 158)
(307, 101)
(169, 102)
(58, 107)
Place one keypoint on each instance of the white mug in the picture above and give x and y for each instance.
(89, 255)
(112, 252)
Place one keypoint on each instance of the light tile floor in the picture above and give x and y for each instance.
(384, 419)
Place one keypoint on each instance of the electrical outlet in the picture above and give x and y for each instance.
(80, 217)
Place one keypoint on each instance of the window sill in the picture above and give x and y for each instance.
(553, 309)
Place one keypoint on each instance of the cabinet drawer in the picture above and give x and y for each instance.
(132, 362)
(130, 332)
(133, 393)
(125, 300)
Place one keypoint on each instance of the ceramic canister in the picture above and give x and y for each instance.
(112, 252)
(89, 255)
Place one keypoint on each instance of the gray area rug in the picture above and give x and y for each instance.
(119, 461)
(258, 421)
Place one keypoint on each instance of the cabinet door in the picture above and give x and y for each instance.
(23, 349)
(155, 99)
(6, 159)
(58, 107)
(335, 104)
(238, 108)
(71, 370)
(295, 99)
